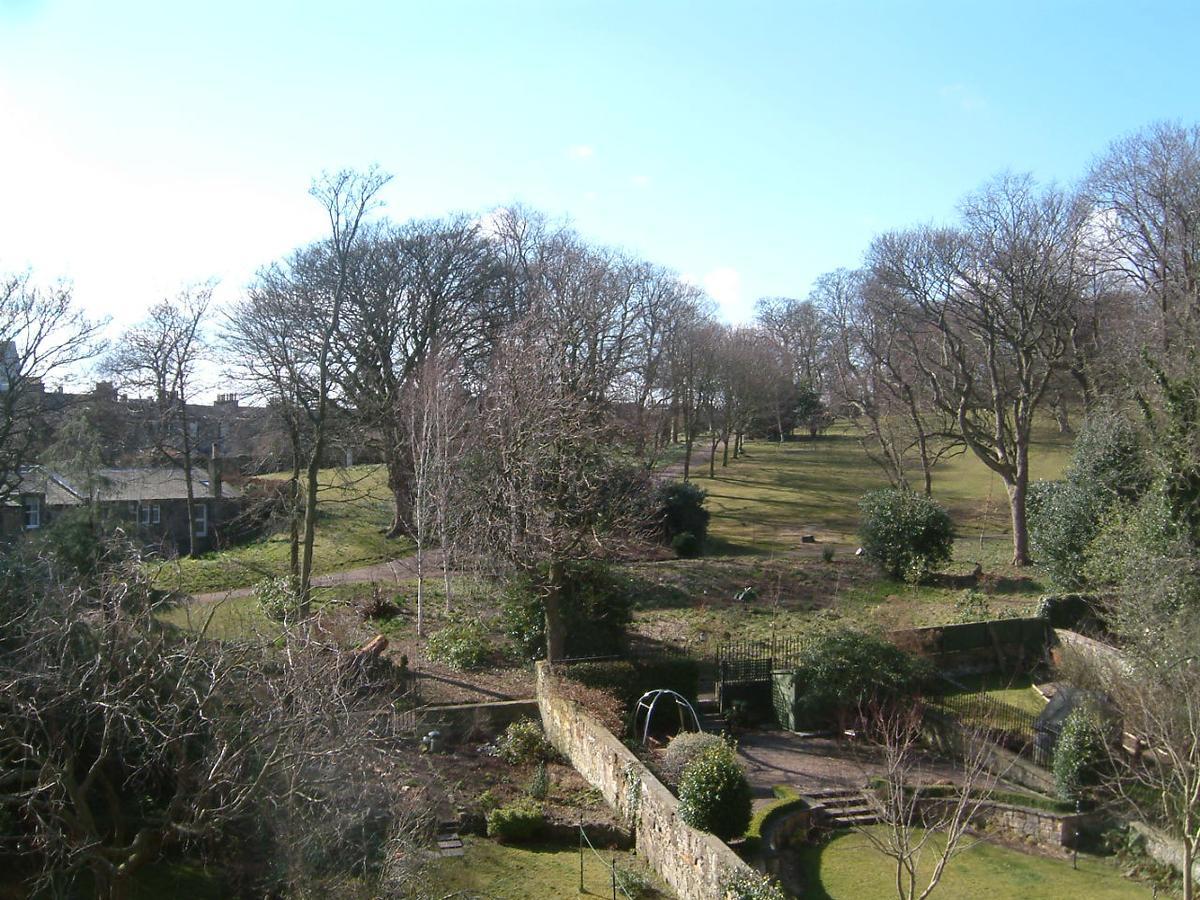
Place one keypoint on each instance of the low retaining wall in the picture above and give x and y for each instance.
(473, 721)
(997, 645)
(1052, 831)
(693, 863)
(1166, 850)
(946, 736)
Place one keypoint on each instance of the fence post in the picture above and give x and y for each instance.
(581, 851)
(614, 879)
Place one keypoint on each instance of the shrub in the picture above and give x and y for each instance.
(1078, 753)
(843, 670)
(752, 886)
(681, 750)
(539, 785)
(1107, 467)
(517, 822)
(596, 605)
(714, 795)
(523, 742)
(686, 545)
(460, 645)
(972, 606)
(278, 598)
(906, 533)
(827, 553)
(681, 511)
(633, 883)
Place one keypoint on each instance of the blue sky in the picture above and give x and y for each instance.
(750, 146)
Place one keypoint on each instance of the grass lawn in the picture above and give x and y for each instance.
(777, 492)
(353, 510)
(502, 872)
(849, 867)
(1018, 691)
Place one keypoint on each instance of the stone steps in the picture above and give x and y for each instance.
(842, 807)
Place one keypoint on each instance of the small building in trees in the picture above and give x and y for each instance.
(149, 503)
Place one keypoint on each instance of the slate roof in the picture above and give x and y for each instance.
(128, 485)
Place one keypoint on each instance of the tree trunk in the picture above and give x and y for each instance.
(725, 449)
(1020, 526)
(687, 455)
(310, 527)
(556, 637)
(420, 588)
(187, 479)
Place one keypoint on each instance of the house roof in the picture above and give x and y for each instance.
(117, 485)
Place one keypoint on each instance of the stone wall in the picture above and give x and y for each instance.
(473, 721)
(693, 863)
(1166, 850)
(1052, 831)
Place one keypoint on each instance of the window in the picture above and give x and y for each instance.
(32, 508)
(155, 513)
(150, 514)
(201, 521)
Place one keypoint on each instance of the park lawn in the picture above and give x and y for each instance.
(353, 512)
(690, 603)
(1015, 691)
(849, 867)
(503, 872)
(777, 492)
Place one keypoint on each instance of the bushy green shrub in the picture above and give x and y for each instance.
(686, 545)
(1107, 467)
(842, 671)
(523, 742)
(460, 645)
(752, 886)
(278, 598)
(907, 534)
(517, 822)
(1079, 753)
(714, 795)
(596, 605)
(682, 749)
(972, 606)
(681, 511)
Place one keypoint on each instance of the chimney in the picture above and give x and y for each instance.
(214, 472)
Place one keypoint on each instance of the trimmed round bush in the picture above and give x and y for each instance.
(682, 749)
(907, 534)
(523, 742)
(714, 795)
(1079, 753)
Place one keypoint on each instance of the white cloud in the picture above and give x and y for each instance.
(965, 98)
(581, 151)
(640, 181)
(724, 284)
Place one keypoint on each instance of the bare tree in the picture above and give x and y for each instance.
(1146, 226)
(42, 336)
(119, 740)
(916, 826)
(158, 360)
(283, 337)
(997, 297)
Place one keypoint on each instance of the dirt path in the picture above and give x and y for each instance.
(393, 571)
